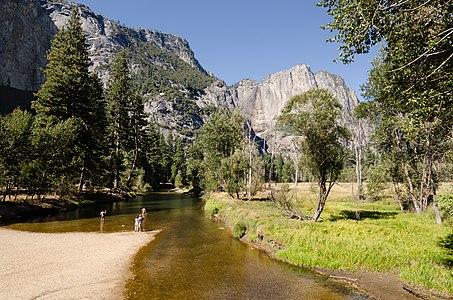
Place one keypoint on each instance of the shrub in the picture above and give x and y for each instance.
(239, 230)
(446, 206)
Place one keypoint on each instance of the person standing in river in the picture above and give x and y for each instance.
(142, 218)
(102, 214)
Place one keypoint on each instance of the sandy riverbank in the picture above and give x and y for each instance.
(67, 265)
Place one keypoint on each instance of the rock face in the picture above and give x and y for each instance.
(28, 26)
(262, 102)
(25, 35)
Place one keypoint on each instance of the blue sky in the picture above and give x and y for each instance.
(242, 39)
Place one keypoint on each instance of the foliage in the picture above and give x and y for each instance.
(70, 92)
(55, 159)
(224, 157)
(377, 180)
(15, 131)
(313, 116)
(446, 206)
(232, 173)
(118, 96)
(239, 230)
(219, 138)
(178, 167)
(279, 168)
(410, 85)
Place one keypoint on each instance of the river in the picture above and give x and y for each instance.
(193, 257)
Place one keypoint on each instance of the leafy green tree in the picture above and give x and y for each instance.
(288, 171)
(278, 167)
(71, 92)
(414, 136)
(313, 116)
(15, 131)
(54, 156)
(166, 145)
(219, 138)
(232, 173)
(411, 85)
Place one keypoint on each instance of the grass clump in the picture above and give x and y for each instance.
(353, 235)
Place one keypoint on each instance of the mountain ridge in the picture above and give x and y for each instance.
(179, 94)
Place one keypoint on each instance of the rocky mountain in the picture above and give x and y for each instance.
(179, 93)
(28, 26)
(164, 68)
(262, 102)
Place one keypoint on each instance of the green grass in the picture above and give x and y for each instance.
(353, 235)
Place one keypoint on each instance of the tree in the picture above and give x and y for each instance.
(118, 96)
(219, 138)
(313, 116)
(156, 156)
(411, 86)
(232, 173)
(15, 131)
(71, 92)
(178, 166)
(53, 156)
(136, 135)
(414, 137)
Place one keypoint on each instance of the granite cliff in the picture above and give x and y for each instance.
(262, 102)
(28, 26)
(179, 93)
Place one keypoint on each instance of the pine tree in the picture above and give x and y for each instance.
(70, 92)
(136, 135)
(178, 165)
(118, 96)
(153, 170)
(66, 92)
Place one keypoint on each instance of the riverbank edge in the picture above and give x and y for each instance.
(376, 285)
(25, 209)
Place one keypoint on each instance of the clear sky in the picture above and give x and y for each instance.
(239, 39)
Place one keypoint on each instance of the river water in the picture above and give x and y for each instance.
(193, 257)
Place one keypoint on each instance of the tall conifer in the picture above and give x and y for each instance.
(71, 92)
(118, 96)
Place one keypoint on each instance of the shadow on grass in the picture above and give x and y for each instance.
(447, 245)
(361, 215)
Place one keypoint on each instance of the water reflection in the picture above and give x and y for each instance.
(101, 225)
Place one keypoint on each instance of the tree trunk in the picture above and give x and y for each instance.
(134, 161)
(436, 211)
(411, 189)
(397, 192)
(358, 168)
(321, 200)
(116, 175)
(82, 177)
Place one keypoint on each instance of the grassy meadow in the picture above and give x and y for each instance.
(352, 235)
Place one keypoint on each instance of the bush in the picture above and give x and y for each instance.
(446, 206)
(239, 230)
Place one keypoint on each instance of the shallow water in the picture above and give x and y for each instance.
(193, 257)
